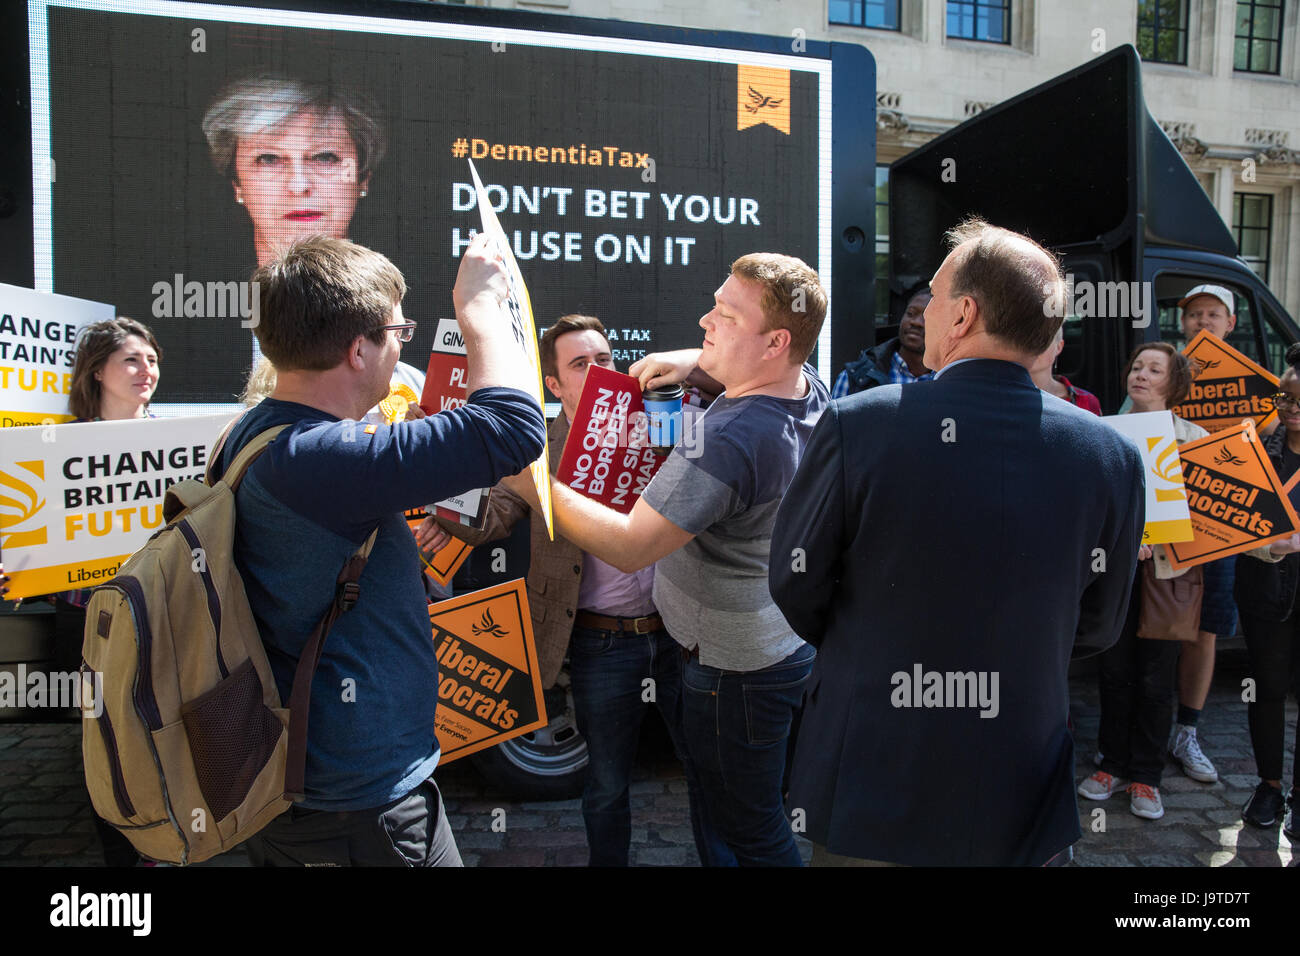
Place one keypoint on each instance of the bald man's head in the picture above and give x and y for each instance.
(1010, 277)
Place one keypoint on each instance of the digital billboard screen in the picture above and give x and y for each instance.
(175, 146)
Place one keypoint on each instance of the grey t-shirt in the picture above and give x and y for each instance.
(713, 592)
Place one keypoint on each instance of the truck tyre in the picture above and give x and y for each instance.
(549, 763)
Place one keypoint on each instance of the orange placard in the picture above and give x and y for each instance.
(1236, 500)
(489, 684)
(762, 96)
(1228, 387)
(441, 565)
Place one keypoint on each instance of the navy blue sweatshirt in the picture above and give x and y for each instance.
(304, 507)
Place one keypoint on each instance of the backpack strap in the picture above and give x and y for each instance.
(210, 476)
(256, 445)
(346, 592)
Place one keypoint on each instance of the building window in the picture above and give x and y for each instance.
(1162, 31)
(1259, 36)
(1252, 222)
(987, 20)
(877, 14)
(882, 245)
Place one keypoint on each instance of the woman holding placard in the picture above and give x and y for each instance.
(1136, 675)
(114, 377)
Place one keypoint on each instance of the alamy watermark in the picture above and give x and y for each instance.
(207, 300)
(1102, 300)
(58, 690)
(946, 689)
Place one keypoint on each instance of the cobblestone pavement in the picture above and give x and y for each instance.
(45, 818)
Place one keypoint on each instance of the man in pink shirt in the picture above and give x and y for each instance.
(621, 659)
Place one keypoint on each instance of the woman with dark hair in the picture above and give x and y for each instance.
(114, 376)
(1266, 598)
(1136, 676)
(115, 371)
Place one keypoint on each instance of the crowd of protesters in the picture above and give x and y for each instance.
(798, 659)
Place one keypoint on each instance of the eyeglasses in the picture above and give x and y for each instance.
(405, 331)
(1282, 398)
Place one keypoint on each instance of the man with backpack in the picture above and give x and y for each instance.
(331, 322)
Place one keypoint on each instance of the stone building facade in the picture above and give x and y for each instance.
(1234, 117)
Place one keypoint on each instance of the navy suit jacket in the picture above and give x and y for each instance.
(953, 527)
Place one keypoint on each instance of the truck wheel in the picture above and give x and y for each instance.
(549, 763)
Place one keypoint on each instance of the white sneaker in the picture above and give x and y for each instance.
(1144, 801)
(1100, 786)
(1187, 751)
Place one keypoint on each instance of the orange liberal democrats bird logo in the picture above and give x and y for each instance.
(489, 626)
(759, 101)
(17, 510)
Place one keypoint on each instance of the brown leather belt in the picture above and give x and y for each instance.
(636, 625)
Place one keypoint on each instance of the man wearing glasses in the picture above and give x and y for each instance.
(332, 324)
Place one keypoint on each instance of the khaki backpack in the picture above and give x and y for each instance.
(193, 751)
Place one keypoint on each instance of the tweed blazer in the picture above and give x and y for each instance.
(554, 571)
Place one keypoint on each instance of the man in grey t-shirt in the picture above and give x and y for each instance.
(707, 521)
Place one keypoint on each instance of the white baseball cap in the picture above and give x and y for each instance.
(1218, 291)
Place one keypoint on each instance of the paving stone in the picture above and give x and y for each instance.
(1240, 781)
(666, 856)
(648, 786)
(66, 778)
(1082, 858)
(1164, 859)
(55, 846)
(548, 838)
(33, 811)
(1224, 815)
(480, 840)
(574, 804)
(33, 827)
(530, 856)
(1195, 801)
(571, 856)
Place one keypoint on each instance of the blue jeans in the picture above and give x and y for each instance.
(737, 727)
(608, 670)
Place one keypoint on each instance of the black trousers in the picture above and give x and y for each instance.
(1274, 648)
(412, 831)
(1136, 678)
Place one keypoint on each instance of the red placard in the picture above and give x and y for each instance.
(607, 455)
(444, 382)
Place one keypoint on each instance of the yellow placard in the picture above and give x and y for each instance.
(520, 311)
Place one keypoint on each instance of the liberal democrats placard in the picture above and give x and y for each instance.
(38, 337)
(78, 500)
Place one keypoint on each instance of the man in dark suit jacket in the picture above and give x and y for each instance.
(946, 546)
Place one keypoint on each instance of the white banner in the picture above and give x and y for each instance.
(1168, 519)
(38, 335)
(77, 500)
